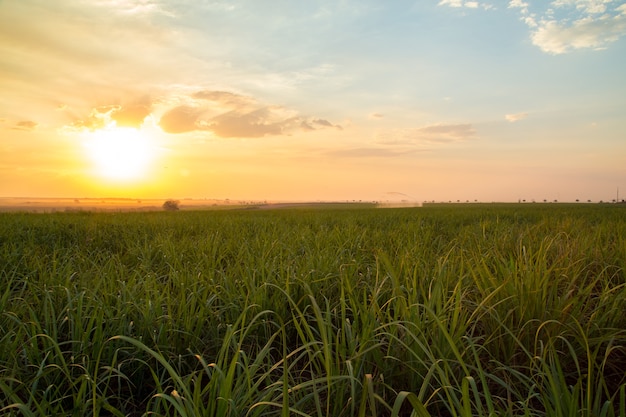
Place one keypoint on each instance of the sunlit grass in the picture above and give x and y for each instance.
(458, 311)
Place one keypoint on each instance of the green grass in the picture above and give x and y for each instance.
(453, 310)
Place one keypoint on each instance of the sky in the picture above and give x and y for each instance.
(326, 100)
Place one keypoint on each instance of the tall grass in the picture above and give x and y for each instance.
(478, 310)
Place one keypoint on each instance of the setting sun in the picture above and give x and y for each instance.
(121, 154)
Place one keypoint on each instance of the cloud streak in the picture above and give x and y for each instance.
(370, 152)
(465, 4)
(26, 125)
(432, 134)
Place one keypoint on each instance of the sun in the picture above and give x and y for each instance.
(120, 153)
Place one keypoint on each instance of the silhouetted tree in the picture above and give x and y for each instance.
(171, 205)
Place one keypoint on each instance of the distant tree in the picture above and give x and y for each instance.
(171, 205)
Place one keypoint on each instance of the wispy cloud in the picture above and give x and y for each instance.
(466, 4)
(27, 125)
(514, 117)
(133, 7)
(432, 134)
(451, 3)
(225, 98)
(370, 152)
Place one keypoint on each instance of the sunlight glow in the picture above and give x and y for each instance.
(121, 154)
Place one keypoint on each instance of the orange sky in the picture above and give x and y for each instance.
(366, 100)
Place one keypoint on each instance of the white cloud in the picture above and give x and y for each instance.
(530, 21)
(451, 3)
(565, 25)
(467, 4)
(558, 37)
(587, 6)
(573, 24)
(519, 4)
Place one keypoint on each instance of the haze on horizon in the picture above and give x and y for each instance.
(326, 100)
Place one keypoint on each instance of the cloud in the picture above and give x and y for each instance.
(229, 115)
(432, 134)
(27, 125)
(516, 117)
(587, 6)
(222, 113)
(131, 115)
(519, 4)
(225, 98)
(133, 7)
(257, 123)
(568, 25)
(467, 4)
(370, 152)
(557, 37)
(181, 119)
(564, 25)
(324, 123)
(98, 118)
(316, 124)
(451, 3)
(376, 116)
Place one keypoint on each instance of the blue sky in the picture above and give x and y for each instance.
(329, 100)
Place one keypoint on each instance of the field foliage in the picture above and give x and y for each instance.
(453, 310)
